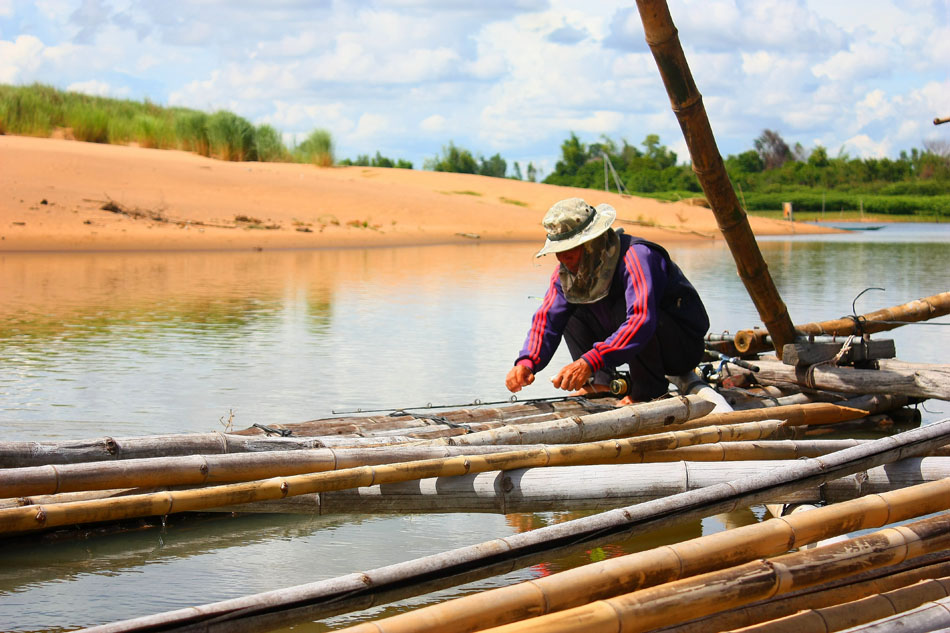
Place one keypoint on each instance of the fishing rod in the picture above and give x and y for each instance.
(478, 403)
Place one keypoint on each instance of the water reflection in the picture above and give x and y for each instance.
(131, 344)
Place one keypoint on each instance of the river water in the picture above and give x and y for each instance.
(124, 344)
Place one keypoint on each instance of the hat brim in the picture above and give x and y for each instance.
(604, 216)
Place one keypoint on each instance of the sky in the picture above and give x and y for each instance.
(865, 78)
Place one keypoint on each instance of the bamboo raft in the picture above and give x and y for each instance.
(823, 433)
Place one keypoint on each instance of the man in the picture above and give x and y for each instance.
(616, 299)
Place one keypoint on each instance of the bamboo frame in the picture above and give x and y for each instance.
(825, 595)
(462, 565)
(31, 518)
(687, 103)
(711, 592)
(753, 341)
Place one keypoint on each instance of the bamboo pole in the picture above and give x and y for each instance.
(861, 611)
(581, 428)
(809, 414)
(462, 565)
(752, 341)
(196, 470)
(711, 592)
(915, 380)
(31, 518)
(825, 595)
(638, 419)
(583, 488)
(929, 617)
(661, 35)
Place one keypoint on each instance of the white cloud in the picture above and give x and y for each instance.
(97, 89)
(6, 8)
(20, 58)
(434, 123)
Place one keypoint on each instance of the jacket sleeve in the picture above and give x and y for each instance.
(547, 326)
(643, 273)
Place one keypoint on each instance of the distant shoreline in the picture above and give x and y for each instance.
(52, 194)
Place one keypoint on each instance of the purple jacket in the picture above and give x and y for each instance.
(644, 274)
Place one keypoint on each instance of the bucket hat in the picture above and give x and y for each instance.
(571, 222)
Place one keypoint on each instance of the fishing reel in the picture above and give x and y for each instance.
(620, 383)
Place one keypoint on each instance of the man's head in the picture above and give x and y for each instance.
(572, 222)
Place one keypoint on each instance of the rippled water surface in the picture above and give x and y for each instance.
(131, 344)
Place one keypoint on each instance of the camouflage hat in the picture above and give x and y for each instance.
(572, 222)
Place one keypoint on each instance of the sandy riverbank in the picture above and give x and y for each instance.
(52, 194)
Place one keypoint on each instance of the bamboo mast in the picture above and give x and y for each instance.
(462, 565)
(687, 103)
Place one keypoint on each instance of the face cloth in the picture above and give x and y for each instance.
(596, 270)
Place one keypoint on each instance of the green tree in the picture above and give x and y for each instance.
(453, 159)
(495, 167)
(773, 149)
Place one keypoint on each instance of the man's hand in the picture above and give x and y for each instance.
(574, 376)
(519, 376)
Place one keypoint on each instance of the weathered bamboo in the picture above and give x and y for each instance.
(612, 577)
(930, 617)
(582, 488)
(687, 103)
(894, 377)
(373, 587)
(809, 414)
(868, 609)
(711, 592)
(638, 419)
(20, 454)
(753, 341)
(25, 519)
(217, 469)
(825, 595)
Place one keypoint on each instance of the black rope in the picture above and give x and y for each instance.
(435, 418)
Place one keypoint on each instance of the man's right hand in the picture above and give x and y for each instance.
(519, 376)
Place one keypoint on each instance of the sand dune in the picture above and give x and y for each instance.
(52, 194)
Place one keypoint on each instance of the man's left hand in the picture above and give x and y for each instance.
(574, 376)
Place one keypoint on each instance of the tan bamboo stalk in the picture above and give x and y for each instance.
(393, 582)
(581, 488)
(581, 585)
(216, 469)
(687, 104)
(809, 414)
(867, 609)
(638, 419)
(711, 592)
(867, 583)
(752, 341)
(161, 503)
(915, 380)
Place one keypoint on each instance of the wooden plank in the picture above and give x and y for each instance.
(858, 351)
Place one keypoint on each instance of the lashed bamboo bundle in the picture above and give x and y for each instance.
(373, 587)
(753, 341)
(915, 380)
(217, 469)
(680, 600)
(579, 488)
(836, 592)
(29, 518)
(607, 424)
(615, 576)
(862, 611)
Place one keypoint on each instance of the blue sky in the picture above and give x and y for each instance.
(516, 77)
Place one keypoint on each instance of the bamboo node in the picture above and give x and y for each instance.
(111, 447)
(284, 487)
(467, 464)
(577, 420)
(41, 516)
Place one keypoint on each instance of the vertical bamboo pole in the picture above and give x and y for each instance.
(687, 103)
